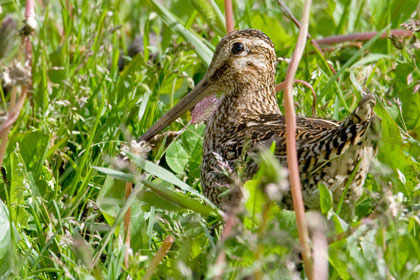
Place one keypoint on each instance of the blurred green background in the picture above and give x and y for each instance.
(104, 71)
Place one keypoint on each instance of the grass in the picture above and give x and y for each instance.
(62, 199)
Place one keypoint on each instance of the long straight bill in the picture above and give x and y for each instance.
(201, 90)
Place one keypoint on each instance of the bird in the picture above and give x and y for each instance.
(248, 118)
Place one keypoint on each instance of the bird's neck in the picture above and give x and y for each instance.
(235, 109)
(248, 102)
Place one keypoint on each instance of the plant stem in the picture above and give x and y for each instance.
(291, 142)
(229, 16)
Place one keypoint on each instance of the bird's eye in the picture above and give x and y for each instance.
(237, 48)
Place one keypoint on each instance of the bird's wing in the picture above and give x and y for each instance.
(262, 131)
(318, 140)
(314, 153)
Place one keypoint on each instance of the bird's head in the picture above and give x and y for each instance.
(242, 58)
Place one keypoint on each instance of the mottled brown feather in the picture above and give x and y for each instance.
(248, 119)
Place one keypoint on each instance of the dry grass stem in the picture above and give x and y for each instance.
(365, 36)
(230, 26)
(163, 250)
(291, 142)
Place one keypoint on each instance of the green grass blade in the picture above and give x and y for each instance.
(165, 175)
(116, 174)
(181, 200)
(175, 24)
(350, 62)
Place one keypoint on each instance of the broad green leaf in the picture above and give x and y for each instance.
(370, 251)
(355, 82)
(271, 167)
(116, 174)
(165, 175)
(335, 252)
(6, 247)
(19, 186)
(180, 199)
(192, 138)
(192, 142)
(287, 221)
(111, 197)
(176, 157)
(392, 153)
(170, 85)
(326, 199)
(410, 109)
(154, 199)
(364, 207)
(195, 162)
(254, 203)
(340, 224)
(33, 148)
(138, 224)
(57, 73)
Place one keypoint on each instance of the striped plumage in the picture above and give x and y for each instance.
(248, 118)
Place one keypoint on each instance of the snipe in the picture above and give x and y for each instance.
(248, 118)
